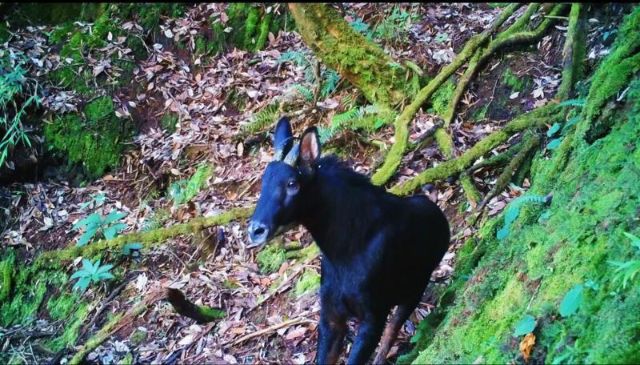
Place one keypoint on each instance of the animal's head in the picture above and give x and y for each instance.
(284, 182)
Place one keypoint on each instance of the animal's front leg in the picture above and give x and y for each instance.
(331, 332)
(369, 334)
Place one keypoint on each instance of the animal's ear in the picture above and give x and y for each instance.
(282, 138)
(309, 148)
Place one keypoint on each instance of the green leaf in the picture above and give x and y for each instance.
(573, 102)
(87, 266)
(554, 144)
(502, 233)
(526, 325)
(87, 236)
(91, 220)
(104, 276)
(126, 249)
(111, 232)
(104, 268)
(571, 301)
(79, 274)
(83, 283)
(553, 130)
(113, 216)
(635, 241)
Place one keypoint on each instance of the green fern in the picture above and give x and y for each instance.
(329, 83)
(262, 119)
(304, 91)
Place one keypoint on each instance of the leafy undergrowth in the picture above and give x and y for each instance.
(199, 167)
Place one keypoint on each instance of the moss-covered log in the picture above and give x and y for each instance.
(339, 46)
(146, 238)
(535, 119)
(573, 53)
(113, 325)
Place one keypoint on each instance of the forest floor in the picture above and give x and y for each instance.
(214, 97)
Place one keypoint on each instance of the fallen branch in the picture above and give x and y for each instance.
(513, 35)
(267, 330)
(114, 325)
(146, 238)
(534, 119)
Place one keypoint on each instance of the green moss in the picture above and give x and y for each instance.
(62, 306)
(271, 258)
(251, 24)
(137, 337)
(94, 141)
(309, 281)
(514, 82)
(263, 31)
(72, 328)
(594, 202)
(441, 98)
(6, 270)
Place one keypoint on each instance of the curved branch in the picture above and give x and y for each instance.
(534, 119)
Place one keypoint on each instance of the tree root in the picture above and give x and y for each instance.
(115, 324)
(496, 160)
(534, 119)
(528, 144)
(146, 238)
(573, 53)
(395, 154)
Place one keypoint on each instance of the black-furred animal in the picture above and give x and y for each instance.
(378, 249)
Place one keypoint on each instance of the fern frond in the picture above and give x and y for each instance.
(263, 119)
(304, 91)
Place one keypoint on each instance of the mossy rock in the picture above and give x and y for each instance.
(271, 258)
(308, 282)
(95, 141)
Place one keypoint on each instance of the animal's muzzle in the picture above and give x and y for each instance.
(258, 233)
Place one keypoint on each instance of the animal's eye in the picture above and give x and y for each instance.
(292, 185)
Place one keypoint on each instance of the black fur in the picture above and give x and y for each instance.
(379, 250)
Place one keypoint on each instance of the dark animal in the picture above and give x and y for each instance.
(379, 250)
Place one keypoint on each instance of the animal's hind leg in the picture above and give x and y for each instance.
(390, 333)
(368, 337)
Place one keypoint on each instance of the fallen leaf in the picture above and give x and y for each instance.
(526, 345)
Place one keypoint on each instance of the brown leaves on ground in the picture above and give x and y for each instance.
(204, 93)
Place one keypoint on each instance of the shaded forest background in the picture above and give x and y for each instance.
(133, 138)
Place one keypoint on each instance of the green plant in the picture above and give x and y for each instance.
(370, 117)
(627, 271)
(526, 325)
(571, 301)
(512, 212)
(395, 25)
(132, 249)
(13, 87)
(184, 190)
(91, 272)
(95, 223)
(329, 79)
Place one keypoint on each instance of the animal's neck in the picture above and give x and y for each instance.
(335, 213)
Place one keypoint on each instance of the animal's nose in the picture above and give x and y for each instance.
(258, 233)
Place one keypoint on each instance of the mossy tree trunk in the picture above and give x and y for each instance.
(339, 46)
